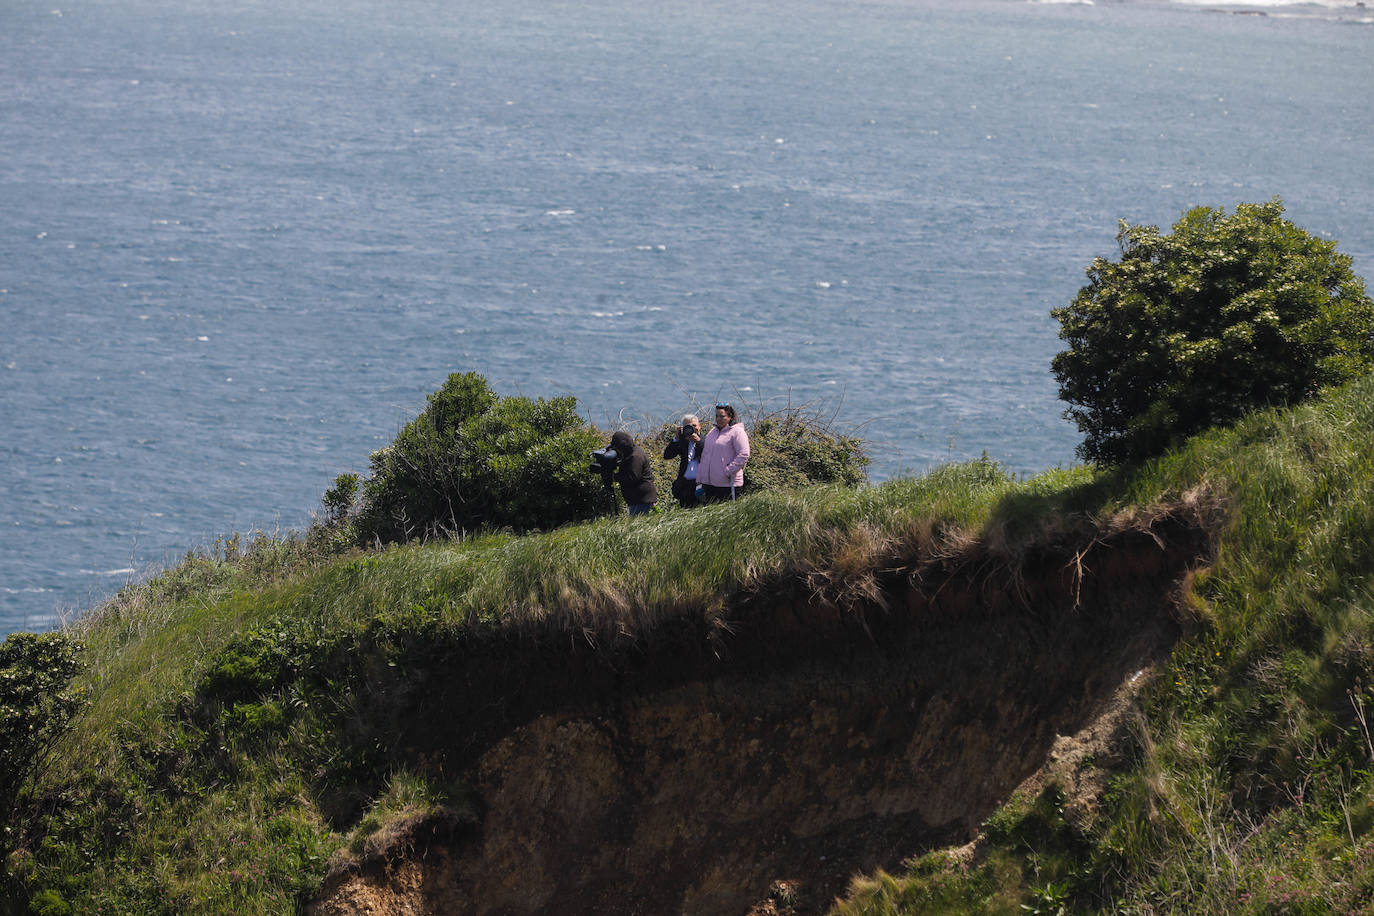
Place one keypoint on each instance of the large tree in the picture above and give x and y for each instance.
(1193, 329)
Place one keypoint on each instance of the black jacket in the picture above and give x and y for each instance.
(677, 448)
(633, 472)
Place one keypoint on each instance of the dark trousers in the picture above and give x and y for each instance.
(686, 492)
(712, 494)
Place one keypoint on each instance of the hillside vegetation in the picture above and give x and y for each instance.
(1247, 787)
(261, 717)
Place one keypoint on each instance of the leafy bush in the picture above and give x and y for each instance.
(472, 460)
(1192, 330)
(339, 499)
(49, 903)
(36, 709)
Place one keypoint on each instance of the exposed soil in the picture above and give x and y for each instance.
(697, 776)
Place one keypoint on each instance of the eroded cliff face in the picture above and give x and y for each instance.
(811, 744)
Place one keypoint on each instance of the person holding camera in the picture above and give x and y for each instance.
(723, 456)
(686, 448)
(629, 466)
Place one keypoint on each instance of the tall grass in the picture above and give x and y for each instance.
(612, 578)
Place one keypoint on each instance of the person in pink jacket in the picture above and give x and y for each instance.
(723, 456)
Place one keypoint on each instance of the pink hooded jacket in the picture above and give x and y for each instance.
(723, 455)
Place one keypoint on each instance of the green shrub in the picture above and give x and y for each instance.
(36, 708)
(472, 460)
(340, 498)
(1192, 330)
(49, 903)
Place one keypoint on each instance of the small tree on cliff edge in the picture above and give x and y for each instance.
(472, 461)
(1194, 329)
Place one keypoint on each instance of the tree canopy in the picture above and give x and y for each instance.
(472, 460)
(1192, 329)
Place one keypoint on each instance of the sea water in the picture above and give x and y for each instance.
(239, 243)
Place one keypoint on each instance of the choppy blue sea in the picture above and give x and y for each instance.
(239, 243)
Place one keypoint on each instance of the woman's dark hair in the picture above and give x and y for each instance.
(729, 411)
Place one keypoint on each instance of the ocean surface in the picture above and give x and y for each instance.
(239, 243)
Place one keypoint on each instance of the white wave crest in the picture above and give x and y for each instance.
(1329, 4)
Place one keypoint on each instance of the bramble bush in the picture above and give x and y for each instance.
(471, 461)
(1193, 329)
(797, 447)
(790, 447)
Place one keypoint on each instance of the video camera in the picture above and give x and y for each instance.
(604, 460)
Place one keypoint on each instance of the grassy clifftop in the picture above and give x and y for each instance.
(264, 718)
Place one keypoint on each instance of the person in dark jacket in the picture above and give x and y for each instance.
(686, 448)
(634, 474)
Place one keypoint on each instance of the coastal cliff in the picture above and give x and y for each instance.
(1145, 689)
(811, 743)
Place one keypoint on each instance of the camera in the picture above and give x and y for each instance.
(604, 460)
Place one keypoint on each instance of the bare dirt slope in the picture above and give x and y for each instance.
(814, 743)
